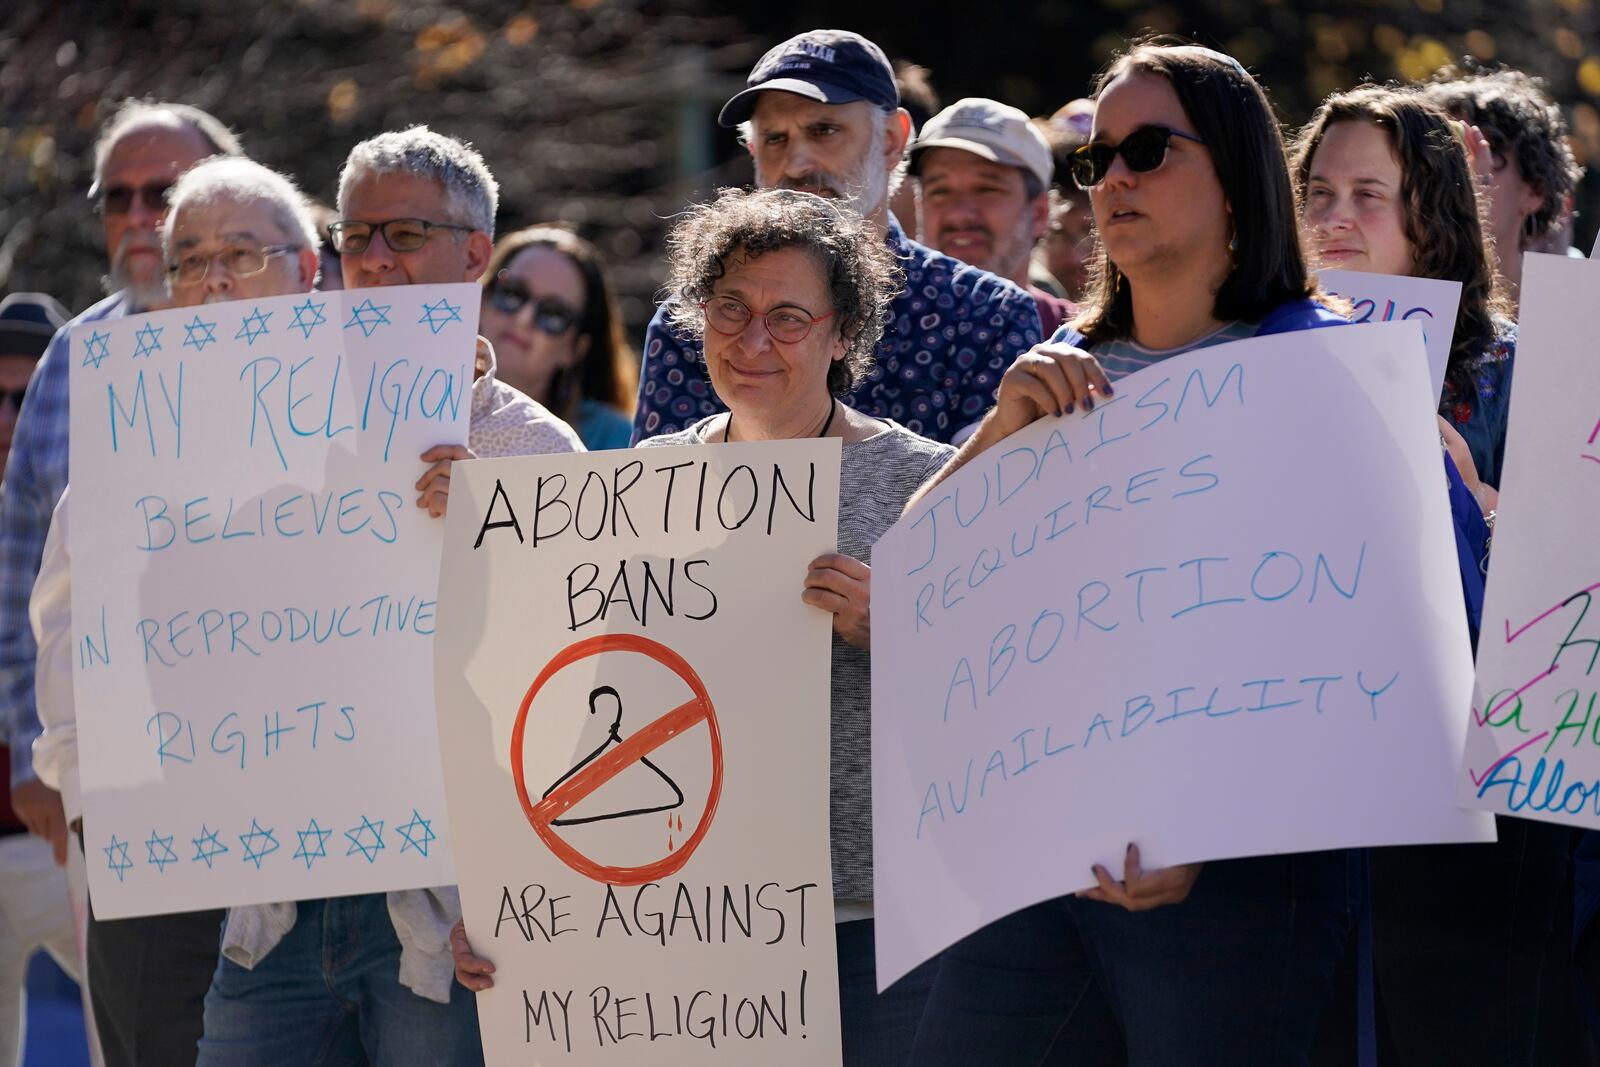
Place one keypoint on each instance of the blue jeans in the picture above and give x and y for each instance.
(1237, 974)
(330, 993)
(878, 1028)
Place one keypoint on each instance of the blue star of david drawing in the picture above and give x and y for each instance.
(159, 860)
(147, 339)
(206, 846)
(198, 334)
(440, 315)
(258, 844)
(253, 326)
(418, 833)
(303, 320)
(357, 845)
(308, 852)
(117, 857)
(95, 351)
(369, 316)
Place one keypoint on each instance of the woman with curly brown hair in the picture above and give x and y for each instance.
(1469, 956)
(1385, 185)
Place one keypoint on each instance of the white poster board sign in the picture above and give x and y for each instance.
(253, 594)
(1393, 297)
(1209, 618)
(1533, 749)
(634, 720)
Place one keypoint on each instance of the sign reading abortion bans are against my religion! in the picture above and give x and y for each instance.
(633, 718)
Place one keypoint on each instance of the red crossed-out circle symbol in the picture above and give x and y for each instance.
(542, 812)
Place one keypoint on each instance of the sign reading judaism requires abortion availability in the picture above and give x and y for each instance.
(253, 594)
(1207, 617)
(634, 718)
(1533, 744)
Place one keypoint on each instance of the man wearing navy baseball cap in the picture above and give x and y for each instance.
(821, 114)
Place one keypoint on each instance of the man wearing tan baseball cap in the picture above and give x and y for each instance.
(985, 172)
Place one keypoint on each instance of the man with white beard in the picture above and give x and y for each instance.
(147, 976)
(821, 114)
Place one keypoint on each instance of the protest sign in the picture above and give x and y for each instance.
(634, 719)
(1392, 297)
(253, 594)
(1533, 748)
(1207, 617)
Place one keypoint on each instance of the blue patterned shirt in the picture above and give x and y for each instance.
(36, 475)
(953, 331)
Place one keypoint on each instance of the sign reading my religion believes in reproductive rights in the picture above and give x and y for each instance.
(253, 594)
(1219, 616)
(633, 721)
(1533, 747)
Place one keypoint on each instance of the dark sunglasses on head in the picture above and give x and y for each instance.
(118, 199)
(509, 296)
(1143, 150)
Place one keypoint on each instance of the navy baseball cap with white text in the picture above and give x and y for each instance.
(828, 66)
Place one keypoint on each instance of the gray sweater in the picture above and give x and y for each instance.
(876, 478)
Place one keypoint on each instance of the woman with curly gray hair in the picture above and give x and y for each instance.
(789, 292)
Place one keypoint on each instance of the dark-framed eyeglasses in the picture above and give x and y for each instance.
(350, 237)
(239, 260)
(1143, 150)
(509, 296)
(14, 396)
(730, 315)
(118, 199)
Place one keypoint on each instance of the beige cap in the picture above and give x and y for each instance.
(988, 129)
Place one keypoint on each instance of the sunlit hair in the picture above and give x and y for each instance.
(1231, 114)
(609, 371)
(243, 181)
(470, 190)
(1441, 212)
(856, 266)
(132, 113)
(1523, 126)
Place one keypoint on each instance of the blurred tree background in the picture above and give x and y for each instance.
(601, 113)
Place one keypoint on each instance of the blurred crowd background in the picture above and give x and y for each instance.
(601, 113)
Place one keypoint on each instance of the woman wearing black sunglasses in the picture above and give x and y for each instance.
(1222, 963)
(552, 318)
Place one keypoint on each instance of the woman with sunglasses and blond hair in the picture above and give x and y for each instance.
(552, 318)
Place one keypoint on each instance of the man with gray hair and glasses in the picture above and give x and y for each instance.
(821, 114)
(369, 978)
(143, 985)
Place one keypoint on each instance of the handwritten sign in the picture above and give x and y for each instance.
(633, 717)
(1206, 618)
(1393, 297)
(253, 594)
(1533, 749)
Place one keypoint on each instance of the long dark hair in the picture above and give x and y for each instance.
(609, 371)
(1231, 114)
(1441, 209)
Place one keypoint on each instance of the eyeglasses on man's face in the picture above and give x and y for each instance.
(239, 260)
(350, 237)
(730, 315)
(118, 199)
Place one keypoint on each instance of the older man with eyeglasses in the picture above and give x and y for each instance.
(141, 151)
(369, 978)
